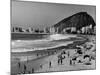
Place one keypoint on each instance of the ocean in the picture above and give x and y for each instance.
(32, 42)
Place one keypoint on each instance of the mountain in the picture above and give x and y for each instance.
(77, 20)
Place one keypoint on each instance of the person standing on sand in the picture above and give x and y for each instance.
(37, 55)
(24, 68)
(41, 66)
(18, 64)
(32, 70)
(58, 61)
(70, 62)
(68, 54)
(29, 72)
(61, 61)
(50, 64)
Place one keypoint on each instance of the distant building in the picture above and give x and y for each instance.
(56, 30)
(78, 31)
(90, 26)
(31, 30)
(15, 29)
(46, 30)
(83, 30)
(67, 30)
(12, 29)
(24, 30)
(52, 30)
(73, 29)
(94, 30)
(87, 29)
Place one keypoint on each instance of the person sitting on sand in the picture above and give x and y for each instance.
(73, 60)
(79, 51)
(87, 56)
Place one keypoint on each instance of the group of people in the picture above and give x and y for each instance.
(81, 55)
(77, 57)
(61, 58)
(24, 69)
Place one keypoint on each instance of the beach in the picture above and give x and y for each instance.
(49, 59)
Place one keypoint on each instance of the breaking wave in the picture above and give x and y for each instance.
(41, 44)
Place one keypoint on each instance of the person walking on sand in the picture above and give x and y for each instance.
(50, 64)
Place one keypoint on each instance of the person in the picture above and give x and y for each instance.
(41, 66)
(32, 70)
(58, 61)
(29, 72)
(19, 64)
(79, 51)
(50, 64)
(24, 67)
(61, 61)
(63, 52)
(74, 59)
(70, 62)
(48, 53)
(55, 52)
(68, 54)
(37, 54)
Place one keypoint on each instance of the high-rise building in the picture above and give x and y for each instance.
(73, 29)
(94, 30)
(30, 29)
(52, 30)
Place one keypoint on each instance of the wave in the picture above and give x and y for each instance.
(34, 49)
(60, 36)
(41, 44)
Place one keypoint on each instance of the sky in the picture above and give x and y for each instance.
(40, 15)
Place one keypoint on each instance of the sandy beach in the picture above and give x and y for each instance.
(47, 60)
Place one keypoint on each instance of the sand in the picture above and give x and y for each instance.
(44, 60)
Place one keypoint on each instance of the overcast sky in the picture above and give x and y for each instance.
(35, 14)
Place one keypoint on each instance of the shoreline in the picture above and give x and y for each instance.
(48, 55)
(59, 42)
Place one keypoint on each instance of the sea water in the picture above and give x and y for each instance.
(40, 44)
